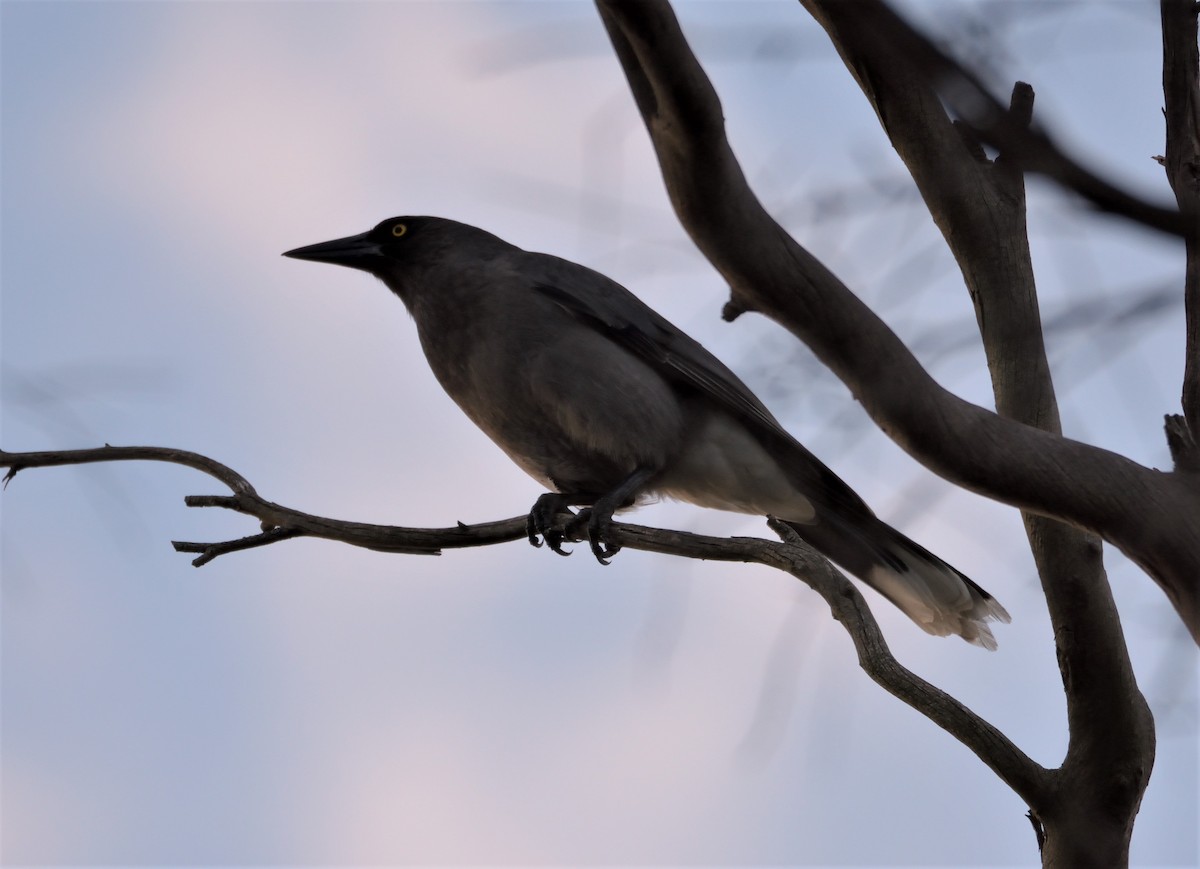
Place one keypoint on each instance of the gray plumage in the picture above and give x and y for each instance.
(605, 403)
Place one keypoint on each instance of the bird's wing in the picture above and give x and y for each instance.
(608, 307)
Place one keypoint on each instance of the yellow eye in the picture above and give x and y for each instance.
(399, 229)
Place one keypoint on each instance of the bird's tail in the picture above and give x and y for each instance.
(928, 590)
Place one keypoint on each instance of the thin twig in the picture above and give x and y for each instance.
(209, 551)
(281, 523)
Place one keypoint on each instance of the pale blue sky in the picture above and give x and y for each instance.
(311, 703)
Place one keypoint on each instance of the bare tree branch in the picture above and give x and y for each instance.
(1144, 512)
(279, 522)
(1181, 92)
(209, 551)
(980, 207)
(879, 31)
(793, 556)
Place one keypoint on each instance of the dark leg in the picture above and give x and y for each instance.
(601, 514)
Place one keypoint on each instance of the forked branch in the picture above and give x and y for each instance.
(1142, 511)
(979, 205)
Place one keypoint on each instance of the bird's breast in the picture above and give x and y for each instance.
(571, 407)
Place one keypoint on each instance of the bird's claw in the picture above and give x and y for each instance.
(603, 552)
(544, 526)
(541, 524)
(598, 523)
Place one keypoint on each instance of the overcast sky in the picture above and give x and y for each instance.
(312, 703)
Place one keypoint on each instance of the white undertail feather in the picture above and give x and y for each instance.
(939, 600)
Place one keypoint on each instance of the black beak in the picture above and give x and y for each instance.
(357, 252)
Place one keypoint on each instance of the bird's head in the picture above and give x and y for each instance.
(371, 249)
(399, 249)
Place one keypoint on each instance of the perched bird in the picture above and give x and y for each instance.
(605, 403)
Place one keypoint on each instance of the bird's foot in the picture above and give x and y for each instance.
(543, 523)
(599, 521)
